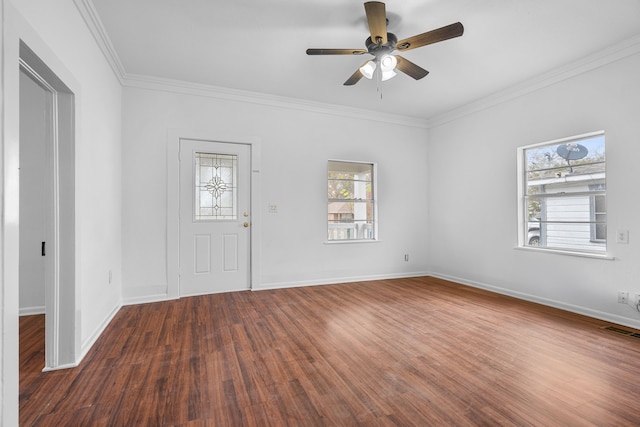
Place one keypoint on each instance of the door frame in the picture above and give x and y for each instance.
(62, 338)
(174, 137)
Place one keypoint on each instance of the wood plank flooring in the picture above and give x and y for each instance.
(406, 352)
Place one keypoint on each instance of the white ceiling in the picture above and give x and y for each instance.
(259, 45)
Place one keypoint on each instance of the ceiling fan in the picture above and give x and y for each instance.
(382, 44)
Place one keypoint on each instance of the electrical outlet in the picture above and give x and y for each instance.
(623, 297)
(406, 257)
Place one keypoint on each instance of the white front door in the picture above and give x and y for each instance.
(215, 195)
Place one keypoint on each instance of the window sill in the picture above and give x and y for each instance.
(340, 242)
(563, 252)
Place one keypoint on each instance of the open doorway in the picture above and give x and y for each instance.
(35, 214)
(47, 207)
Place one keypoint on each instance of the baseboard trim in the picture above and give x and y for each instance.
(147, 299)
(88, 344)
(61, 367)
(339, 280)
(607, 317)
(31, 311)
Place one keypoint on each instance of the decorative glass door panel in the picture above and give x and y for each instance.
(215, 186)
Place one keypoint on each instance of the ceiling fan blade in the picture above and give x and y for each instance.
(335, 51)
(410, 69)
(434, 36)
(355, 77)
(377, 18)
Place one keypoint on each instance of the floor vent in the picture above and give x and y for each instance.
(622, 331)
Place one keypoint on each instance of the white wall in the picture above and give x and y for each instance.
(295, 144)
(56, 32)
(33, 138)
(472, 193)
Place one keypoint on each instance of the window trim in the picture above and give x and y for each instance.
(522, 210)
(374, 199)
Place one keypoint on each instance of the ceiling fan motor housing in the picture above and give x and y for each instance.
(378, 49)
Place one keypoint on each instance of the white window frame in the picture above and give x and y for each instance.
(374, 200)
(523, 213)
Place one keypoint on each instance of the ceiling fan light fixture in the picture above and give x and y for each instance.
(386, 75)
(387, 67)
(388, 63)
(368, 69)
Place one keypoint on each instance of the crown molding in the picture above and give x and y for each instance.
(611, 54)
(197, 89)
(90, 15)
(599, 59)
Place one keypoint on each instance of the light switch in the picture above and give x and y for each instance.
(622, 236)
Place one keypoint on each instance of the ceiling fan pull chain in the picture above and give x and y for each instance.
(378, 80)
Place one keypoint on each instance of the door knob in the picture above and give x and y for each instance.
(246, 224)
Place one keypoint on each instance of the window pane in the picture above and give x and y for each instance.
(215, 187)
(349, 181)
(565, 200)
(565, 223)
(350, 220)
(572, 161)
(351, 205)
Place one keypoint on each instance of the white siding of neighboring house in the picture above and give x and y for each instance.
(570, 236)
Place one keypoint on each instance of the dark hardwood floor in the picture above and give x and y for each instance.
(406, 352)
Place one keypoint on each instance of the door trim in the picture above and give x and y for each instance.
(173, 203)
(62, 334)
